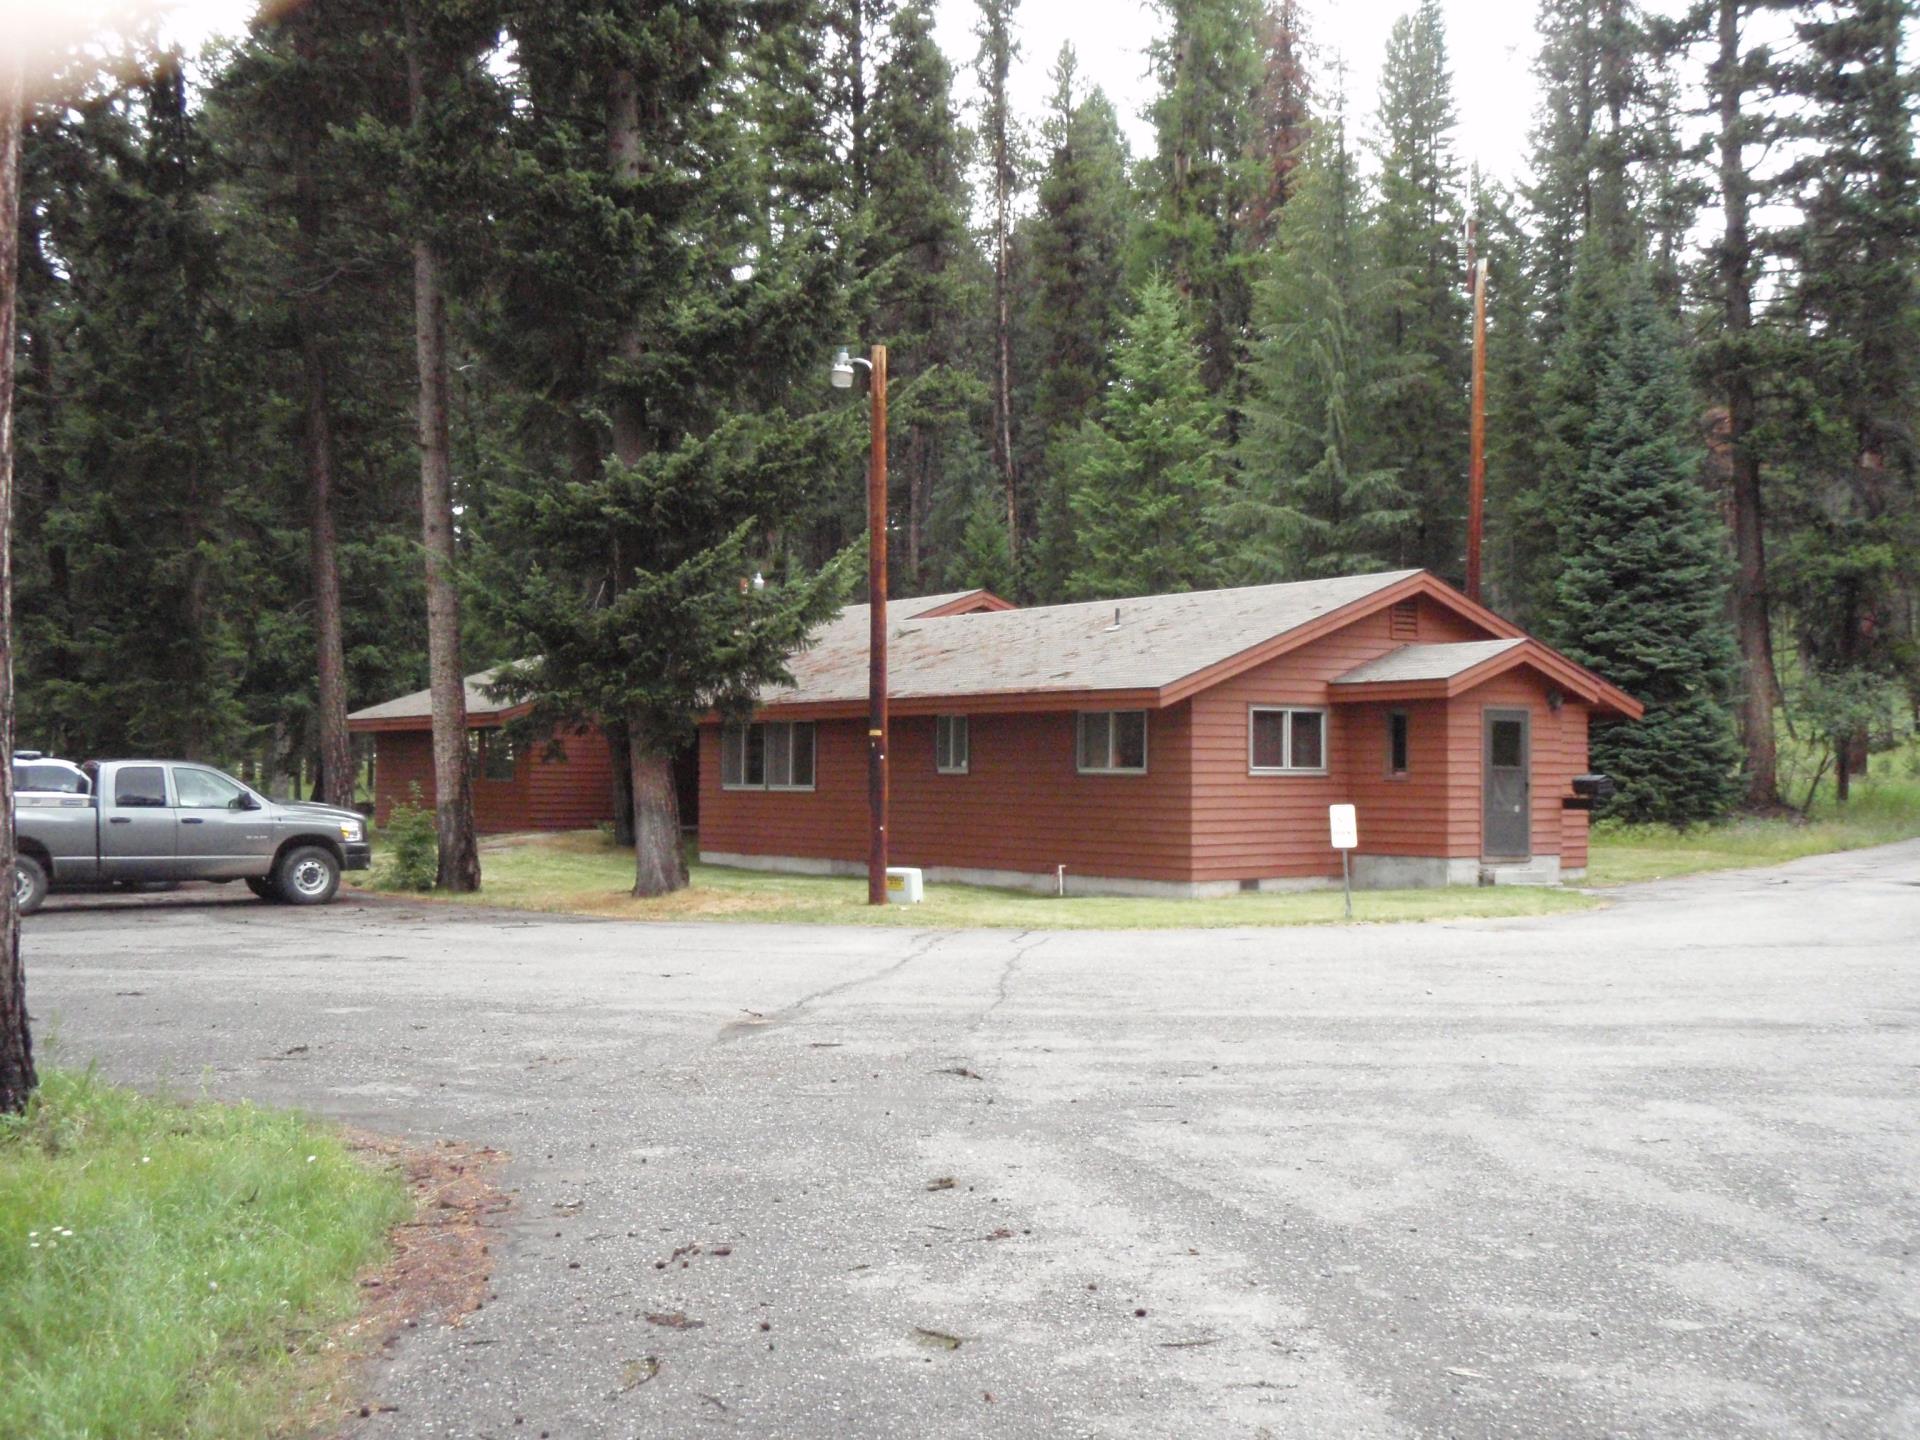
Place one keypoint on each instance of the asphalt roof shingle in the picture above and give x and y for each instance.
(1426, 662)
(1157, 640)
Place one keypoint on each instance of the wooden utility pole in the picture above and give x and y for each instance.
(1477, 432)
(877, 637)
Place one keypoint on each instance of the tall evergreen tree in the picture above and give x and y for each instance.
(634, 223)
(1149, 475)
(1283, 116)
(1419, 222)
(1205, 170)
(1319, 494)
(1854, 566)
(1641, 597)
(920, 274)
(1002, 154)
(1077, 240)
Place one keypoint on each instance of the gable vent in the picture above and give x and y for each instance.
(1403, 620)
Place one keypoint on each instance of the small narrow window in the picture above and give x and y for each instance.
(733, 756)
(1283, 740)
(1113, 742)
(1397, 742)
(950, 744)
(801, 775)
(756, 775)
(501, 757)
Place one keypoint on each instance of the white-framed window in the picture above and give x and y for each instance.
(774, 756)
(1285, 740)
(950, 754)
(1112, 742)
(1399, 729)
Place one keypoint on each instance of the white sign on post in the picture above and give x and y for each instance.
(1346, 830)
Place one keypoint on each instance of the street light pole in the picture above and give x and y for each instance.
(877, 636)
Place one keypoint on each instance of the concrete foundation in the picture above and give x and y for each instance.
(1370, 872)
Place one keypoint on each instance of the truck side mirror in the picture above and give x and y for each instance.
(244, 801)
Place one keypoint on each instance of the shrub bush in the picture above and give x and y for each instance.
(413, 845)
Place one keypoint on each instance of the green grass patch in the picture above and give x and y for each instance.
(581, 872)
(1885, 808)
(169, 1270)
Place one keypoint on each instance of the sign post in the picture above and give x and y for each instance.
(1346, 835)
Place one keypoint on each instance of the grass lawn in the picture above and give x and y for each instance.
(169, 1270)
(582, 873)
(1884, 808)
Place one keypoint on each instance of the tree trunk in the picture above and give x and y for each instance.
(330, 659)
(459, 868)
(1752, 621)
(617, 751)
(659, 866)
(17, 1077)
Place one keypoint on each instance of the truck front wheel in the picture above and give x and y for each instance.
(307, 875)
(29, 883)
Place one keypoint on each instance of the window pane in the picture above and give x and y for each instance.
(779, 754)
(1397, 743)
(500, 757)
(1130, 740)
(942, 742)
(1093, 740)
(204, 790)
(1509, 750)
(733, 755)
(803, 753)
(960, 742)
(140, 785)
(1269, 739)
(1308, 751)
(756, 755)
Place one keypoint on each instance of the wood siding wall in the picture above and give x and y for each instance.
(1022, 805)
(1250, 827)
(572, 793)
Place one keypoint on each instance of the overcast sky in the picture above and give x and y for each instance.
(1491, 44)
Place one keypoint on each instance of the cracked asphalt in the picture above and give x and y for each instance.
(1645, 1171)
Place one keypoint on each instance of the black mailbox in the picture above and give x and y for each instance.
(1589, 791)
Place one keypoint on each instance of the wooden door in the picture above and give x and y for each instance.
(1506, 831)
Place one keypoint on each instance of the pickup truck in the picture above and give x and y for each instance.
(171, 820)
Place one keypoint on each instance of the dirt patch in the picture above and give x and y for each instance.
(437, 1272)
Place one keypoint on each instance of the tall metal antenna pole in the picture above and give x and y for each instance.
(1477, 442)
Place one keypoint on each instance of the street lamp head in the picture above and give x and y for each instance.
(842, 372)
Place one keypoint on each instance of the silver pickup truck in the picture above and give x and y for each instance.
(170, 820)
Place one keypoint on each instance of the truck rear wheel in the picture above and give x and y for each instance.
(307, 875)
(29, 883)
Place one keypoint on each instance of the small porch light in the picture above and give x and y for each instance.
(842, 372)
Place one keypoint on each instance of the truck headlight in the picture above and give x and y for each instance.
(352, 831)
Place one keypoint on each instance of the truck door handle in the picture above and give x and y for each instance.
(119, 820)
(187, 821)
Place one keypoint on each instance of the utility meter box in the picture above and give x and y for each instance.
(904, 885)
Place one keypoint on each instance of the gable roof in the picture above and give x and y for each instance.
(1416, 672)
(1140, 649)
(415, 711)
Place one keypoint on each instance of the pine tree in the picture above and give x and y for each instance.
(1853, 566)
(1002, 153)
(1641, 597)
(1077, 239)
(1318, 494)
(921, 278)
(1205, 172)
(625, 232)
(1283, 119)
(1148, 480)
(1424, 327)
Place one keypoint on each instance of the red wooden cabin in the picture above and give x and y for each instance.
(1175, 744)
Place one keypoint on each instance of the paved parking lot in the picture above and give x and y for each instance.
(1645, 1171)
